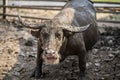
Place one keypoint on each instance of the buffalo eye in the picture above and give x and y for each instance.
(45, 35)
(58, 35)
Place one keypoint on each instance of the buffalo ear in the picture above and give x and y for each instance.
(35, 33)
(67, 33)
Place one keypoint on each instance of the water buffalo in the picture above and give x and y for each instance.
(73, 31)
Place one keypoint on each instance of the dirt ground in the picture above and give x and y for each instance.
(18, 56)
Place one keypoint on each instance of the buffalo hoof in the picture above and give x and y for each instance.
(82, 78)
(36, 74)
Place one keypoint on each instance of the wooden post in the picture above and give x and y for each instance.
(4, 8)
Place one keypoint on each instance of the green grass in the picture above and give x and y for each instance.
(107, 0)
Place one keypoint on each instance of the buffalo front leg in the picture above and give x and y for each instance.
(38, 69)
(82, 64)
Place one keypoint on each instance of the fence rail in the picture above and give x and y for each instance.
(113, 8)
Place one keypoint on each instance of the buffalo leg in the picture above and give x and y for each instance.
(38, 70)
(63, 56)
(82, 64)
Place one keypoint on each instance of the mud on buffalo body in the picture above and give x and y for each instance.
(73, 31)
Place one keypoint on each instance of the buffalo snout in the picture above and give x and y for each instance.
(50, 56)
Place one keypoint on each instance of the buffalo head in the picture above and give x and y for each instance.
(51, 38)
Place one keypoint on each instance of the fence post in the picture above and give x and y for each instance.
(4, 8)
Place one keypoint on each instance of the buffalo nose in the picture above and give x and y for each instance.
(50, 51)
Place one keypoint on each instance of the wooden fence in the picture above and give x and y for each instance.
(101, 7)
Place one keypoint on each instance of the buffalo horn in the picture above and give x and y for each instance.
(77, 29)
(28, 25)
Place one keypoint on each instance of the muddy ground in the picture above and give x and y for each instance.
(18, 55)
